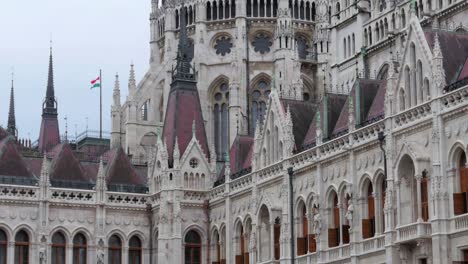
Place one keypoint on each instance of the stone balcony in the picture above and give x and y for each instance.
(413, 232)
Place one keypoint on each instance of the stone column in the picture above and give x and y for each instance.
(11, 252)
(377, 212)
(418, 193)
(341, 214)
(271, 226)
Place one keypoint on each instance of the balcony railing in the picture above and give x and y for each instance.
(413, 231)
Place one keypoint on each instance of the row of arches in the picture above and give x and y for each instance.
(194, 181)
(261, 8)
(349, 46)
(303, 10)
(416, 89)
(190, 15)
(273, 146)
(59, 245)
(220, 9)
(380, 30)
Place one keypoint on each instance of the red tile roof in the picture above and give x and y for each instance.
(454, 48)
(240, 153)
(464, 72)
(11, 161)
(49, 136)
(120, 170)
(182, 109)
(302, 114)
(65, 166)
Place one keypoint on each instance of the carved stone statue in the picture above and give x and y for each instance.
(100, 257)
(349, 213)
(317, 224)
(42, 256)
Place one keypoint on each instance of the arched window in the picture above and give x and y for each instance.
(80, 248)
(407, 88)
(460, 199)
(134, 251)
(302, 230)
(366, 38)
(368, 224)
(258, 97)
(208, 11)
(3, 247)
(427, 90)
(22, 248)
(115, 250)
(248, 8)
(302, 47)
(177, 19)
(338, 10)
(344, 49)
(144, 110)
(402, 99)
(240, 249)
(419, 82)
(424, 197)
(403, 18)
(382, 5)
(58, 248)
(233, 8)
(221, 120)
(192, 253)
(313, 11)
(215, 11)
(276, 238)
(334, 230)
(264, 233)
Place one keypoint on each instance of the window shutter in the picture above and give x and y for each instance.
(366, 228)
(312, 243)
(277, 230)
(459, 203)
(246, 258)
(333, 237)
(239, 259)
(301, 249)
(464, 179)
(345, 229)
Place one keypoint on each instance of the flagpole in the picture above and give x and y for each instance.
(100, 104)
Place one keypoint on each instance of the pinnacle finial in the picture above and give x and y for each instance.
(11, 127)
(193, 128)
(183, 68)
(131, 79)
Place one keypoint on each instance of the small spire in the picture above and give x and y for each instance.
(193, 128)
(117, 91)
(50, 94)
(131, 79)
(437, 50)
(183, 68)
(11, 127)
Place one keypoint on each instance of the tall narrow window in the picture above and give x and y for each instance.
(58, 248)
(276, 238)
(3, 247)
(221, 120)
(258, 99)
(334, 231)
(144, 110)
(22, 248)
(302, 231)
(134, 251)
(368, 224)
(80, 249)
(424, 198)
(192, 253)
(208, 11)
(115, 250)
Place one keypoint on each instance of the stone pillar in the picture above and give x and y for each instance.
(11, 252)
(271, 226)
(418, 193)
(378, 209)
(341, 213)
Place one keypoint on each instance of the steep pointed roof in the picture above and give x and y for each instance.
(329, 110)
(454, 48)
(301, 115)
(11, 161)
(184, 113)
(49, 135)
(11, 127)
(363, 94)
(119, 169)
(65, 166)
(240, 153)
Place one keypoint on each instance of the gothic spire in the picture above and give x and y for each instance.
(50, 93)
(116, 95)
(11, 128)
(131, 80)
(183, 68)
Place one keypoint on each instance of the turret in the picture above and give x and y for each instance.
(11, 127)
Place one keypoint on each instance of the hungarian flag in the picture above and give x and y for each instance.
(96, 83)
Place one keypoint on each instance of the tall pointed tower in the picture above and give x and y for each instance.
(183, 105)
(49, 135)
(11, 127)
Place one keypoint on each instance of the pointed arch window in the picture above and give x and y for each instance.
(115, 250)
(134, 251)
(144, 110)
(3, 247)
(258, 100)
(221, 120)
(192, 254)
(58, 248)
(79, 249)
(22, 248)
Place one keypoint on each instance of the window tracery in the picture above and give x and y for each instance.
(258, 99)
(221, 120)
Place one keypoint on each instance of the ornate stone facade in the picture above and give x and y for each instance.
(363, 104)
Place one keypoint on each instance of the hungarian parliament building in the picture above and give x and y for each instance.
(264, 131)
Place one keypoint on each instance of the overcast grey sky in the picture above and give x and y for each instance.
(87, 35)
